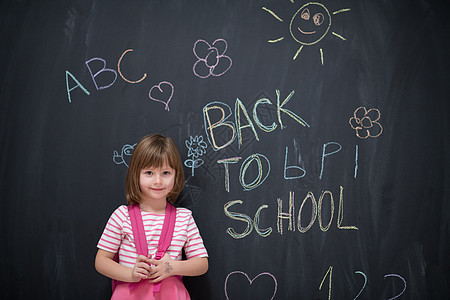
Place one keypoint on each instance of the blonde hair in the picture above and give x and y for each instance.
(153, 151)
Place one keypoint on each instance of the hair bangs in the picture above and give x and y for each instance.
(158, 157)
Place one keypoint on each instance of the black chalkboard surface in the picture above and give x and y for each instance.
(315, 138)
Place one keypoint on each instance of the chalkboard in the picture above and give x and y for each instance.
(315, 139)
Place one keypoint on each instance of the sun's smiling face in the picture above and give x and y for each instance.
(310, 23)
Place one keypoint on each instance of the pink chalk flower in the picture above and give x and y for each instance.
(365, 122)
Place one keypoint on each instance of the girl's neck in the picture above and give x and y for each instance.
(158, 207)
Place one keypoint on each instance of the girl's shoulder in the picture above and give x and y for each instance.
(121, 213)
(122, 209)
(184, 212)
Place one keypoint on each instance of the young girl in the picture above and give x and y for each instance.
(155, 177)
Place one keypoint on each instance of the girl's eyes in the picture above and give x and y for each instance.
(151, 173)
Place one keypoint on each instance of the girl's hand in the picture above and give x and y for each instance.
(162, 268)
(141, 269)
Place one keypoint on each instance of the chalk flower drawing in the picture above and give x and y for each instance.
(365, 122)
(196, 148)
(211, 59)
(124, 156)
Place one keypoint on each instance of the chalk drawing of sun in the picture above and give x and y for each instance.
(309, 25)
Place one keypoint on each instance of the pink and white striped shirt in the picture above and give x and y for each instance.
(118, 236)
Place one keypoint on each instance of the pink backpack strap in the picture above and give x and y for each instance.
(166, 236)
(137, 226)
(167, 230)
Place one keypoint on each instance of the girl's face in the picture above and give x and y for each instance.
(156, 183)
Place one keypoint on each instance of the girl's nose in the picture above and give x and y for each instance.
(157, 179)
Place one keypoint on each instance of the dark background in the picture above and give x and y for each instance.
(59, 182)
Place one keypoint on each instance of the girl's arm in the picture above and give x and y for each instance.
(168, 267)
(192, 267)
(105, 265)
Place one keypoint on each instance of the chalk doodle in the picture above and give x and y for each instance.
(223, 121)
(158, 93)
(196, 148)
(309, 25)
(261, 176)
(262, 232)
(262, 165)
(125, 154)
(364, 286)
(404, 282)
(302, 229)
(70, 89)
(251, 281)
(319, 210)
(281, 215)
(211, 59)
(316, 212)
(330, 271)
(329, 274)
(101, 72)
(104, 78)
(245, 218)
(287, 216)
(120, 72)
(240, 217)
(286, 167)
(326, 154)
(365, 122)
(225, 162)
(222, 113)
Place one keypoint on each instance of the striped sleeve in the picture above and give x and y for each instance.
(194, 246)
(112, 234)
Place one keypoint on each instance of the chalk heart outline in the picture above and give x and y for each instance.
(160, 89)
(251, 281)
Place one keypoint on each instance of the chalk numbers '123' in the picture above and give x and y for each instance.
(329, 274)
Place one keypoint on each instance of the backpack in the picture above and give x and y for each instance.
(165, 238)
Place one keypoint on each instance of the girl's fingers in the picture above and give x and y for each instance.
(144, 272)
(155, 279)
(144, 265)
(142, 258)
